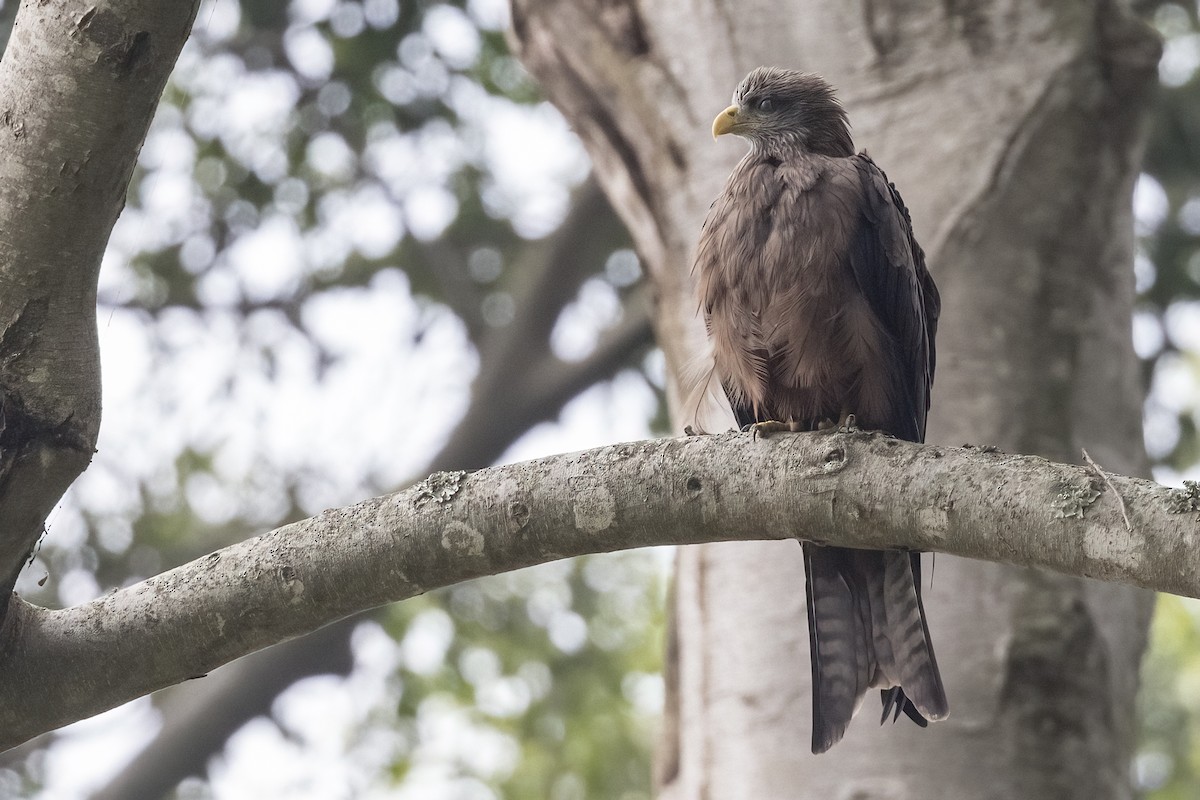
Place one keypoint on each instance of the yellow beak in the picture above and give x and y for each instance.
(725, 121)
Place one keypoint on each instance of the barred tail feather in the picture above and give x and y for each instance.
(866, 628)
(916, 666)
(841, 655)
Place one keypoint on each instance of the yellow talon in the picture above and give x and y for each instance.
(768, 427)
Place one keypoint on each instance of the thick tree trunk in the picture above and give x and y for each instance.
(1013, 132)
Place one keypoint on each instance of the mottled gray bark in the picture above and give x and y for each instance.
(860, 489)
(1013, 131)
(78, 86)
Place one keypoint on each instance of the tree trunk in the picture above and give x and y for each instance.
(78, 86)
(1013, 130)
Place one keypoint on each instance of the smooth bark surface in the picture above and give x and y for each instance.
(79, 84)
(1013, 132)
(862, 489)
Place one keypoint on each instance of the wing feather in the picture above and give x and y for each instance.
(889, 267)
(765, 249)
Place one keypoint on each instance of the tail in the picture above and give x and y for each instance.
(867, 629)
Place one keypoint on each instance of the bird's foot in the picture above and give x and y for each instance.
(848, 424)
(765, 429)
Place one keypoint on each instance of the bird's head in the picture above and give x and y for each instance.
(781, 111)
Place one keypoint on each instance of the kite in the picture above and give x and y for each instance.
(820, 312)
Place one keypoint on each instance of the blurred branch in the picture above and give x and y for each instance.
(549, 271)
(567, 379)
(453, 527)
(463, 295)
(534, 390)
(498, 414)
(195, 725)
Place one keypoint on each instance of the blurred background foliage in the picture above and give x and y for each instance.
(1166, 335)
(359, 246)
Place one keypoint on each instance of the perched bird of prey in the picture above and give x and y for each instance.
(820, 312)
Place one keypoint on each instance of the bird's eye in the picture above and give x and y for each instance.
(766, 104)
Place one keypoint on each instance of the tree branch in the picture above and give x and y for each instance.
(79, 84)
(196, 724)
(857, 489)
(202, 722)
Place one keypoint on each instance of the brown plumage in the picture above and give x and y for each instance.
(818, 305)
